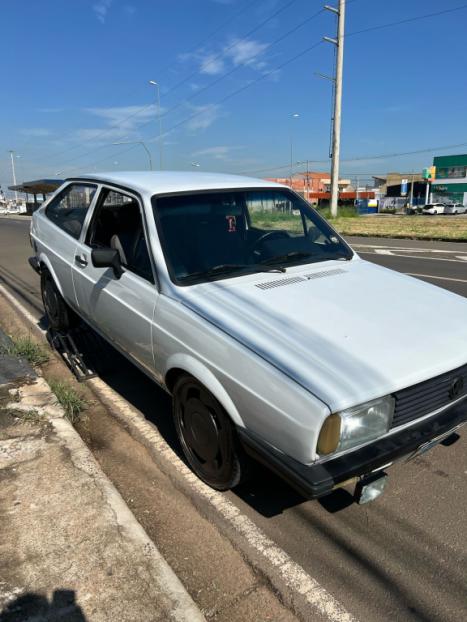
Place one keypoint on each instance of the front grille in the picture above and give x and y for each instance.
(423, 398)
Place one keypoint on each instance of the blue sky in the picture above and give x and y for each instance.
(75, 81)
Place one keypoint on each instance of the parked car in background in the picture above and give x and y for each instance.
(455, 208)
(274, 338)
(434, 208)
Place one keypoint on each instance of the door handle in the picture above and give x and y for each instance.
(81, 260)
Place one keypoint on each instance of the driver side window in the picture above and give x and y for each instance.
(273, 212)
(117, 223)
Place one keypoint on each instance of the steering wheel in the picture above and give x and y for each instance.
(267, 235)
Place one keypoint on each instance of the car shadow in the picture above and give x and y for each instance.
(265, 492)
(33, 606)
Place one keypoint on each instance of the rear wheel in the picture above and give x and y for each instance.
(59, 315)
(207, 435)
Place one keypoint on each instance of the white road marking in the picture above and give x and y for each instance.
(382, 251)
(294, 576)
(441, 278)
(463, 257)
(403, 248)
(409, 256)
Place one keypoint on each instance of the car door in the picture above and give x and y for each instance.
(122, 309)
(59, 229)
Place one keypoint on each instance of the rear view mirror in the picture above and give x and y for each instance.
(107, 258)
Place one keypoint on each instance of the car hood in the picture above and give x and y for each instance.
(346, 331)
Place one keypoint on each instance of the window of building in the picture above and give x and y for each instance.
(451, 172)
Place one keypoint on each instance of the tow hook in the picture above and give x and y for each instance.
(370, 487)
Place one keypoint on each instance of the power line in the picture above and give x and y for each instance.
(208, 86)
(163, 70)
(230, 47)
(277, 68)
(406, 21)
(360, 158)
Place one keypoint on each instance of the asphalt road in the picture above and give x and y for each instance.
(403, 557)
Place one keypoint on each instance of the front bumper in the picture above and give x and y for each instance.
(318, 480)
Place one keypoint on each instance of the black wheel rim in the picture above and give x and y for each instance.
(51, 302)
(201, 431)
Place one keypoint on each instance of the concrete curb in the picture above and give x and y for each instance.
(15, 217)
(184, 609)
(296, 588)
(38, 396)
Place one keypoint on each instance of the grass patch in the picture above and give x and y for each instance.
(25, 416)
(349, 222)
(24, 347)
(347, 211)
(70, 400)
(450, 228)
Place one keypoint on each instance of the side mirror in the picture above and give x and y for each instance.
(107, 258)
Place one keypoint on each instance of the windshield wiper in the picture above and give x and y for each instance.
(292, 255)
(225, 268)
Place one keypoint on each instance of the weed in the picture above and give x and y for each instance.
(70, 400)
(23, 346)
(26, 416)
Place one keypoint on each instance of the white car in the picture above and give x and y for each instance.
(434, 208)
(273, 336)
(455, 208)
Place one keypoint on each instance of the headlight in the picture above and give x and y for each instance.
(356, 426)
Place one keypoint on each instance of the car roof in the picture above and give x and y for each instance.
(161, 182)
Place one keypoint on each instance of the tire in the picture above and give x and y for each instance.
(207, 435)
(59, 315)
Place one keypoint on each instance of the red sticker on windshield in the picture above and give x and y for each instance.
(232, 222)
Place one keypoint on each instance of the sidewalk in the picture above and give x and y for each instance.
(70, 549)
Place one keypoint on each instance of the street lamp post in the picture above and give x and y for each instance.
(13, 171)
(295, 115)
(307, 162)
(158, 99)
(143, 145)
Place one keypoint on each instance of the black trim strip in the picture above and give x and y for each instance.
(317, 480)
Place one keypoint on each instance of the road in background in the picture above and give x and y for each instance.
(401, 558)
(440, 263)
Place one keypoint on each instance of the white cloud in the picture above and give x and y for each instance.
(246, 52)
(237, 52)
(101, 8)
(220, 152)
(203, 117)
(50, 110)
(212, 65)
(126, 118)
(36, 132)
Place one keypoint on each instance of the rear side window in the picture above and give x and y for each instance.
(68, 209)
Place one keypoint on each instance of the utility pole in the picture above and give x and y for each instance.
(336, 129)
(12, 156)
(411, 191)
(295, 115)
(159, 119)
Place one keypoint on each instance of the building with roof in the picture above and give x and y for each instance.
(450, 183)
(35, 188)
(316, 187)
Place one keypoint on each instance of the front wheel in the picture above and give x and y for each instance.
(206, 435)
(59, 315)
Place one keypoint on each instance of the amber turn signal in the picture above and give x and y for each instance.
(330, 435)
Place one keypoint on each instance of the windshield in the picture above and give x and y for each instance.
(215, 235)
